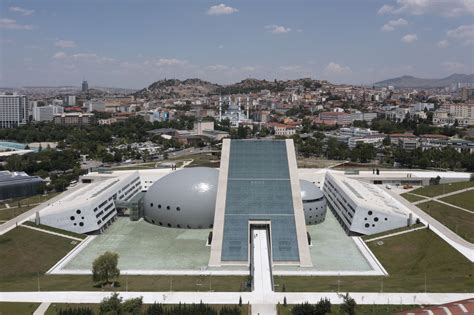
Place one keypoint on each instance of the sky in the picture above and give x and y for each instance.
(132, 43)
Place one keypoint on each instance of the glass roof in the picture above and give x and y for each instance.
(258, 188)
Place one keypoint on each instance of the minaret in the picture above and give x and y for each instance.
(240, 108)
(248, 105)
(220, 108)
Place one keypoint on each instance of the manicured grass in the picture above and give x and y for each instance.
(406, 228)
(8, 308)
(53, 229)
(134, 283)
(30, 200)
(55, 307)
(436, 190)
(361, 309)
(407, 258)
(459, 221)
(412, 198)
(464, 200)
(25, 252)
(8, 214)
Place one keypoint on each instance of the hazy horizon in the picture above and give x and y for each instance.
(131, 44)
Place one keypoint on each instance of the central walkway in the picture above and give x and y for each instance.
(262, 275)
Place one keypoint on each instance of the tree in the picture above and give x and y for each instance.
(111, 305)
(133, 306)
(104, 267)
(348, 305)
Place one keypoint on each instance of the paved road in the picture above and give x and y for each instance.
(461, 245)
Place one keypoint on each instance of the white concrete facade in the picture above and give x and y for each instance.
(363, 208)
(92, 206)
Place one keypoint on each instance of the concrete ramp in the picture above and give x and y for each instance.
(262, 273)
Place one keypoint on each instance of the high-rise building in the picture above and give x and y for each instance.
(70, 100)
(13, 110)
(85, 86)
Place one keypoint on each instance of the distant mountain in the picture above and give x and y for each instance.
(407, 81)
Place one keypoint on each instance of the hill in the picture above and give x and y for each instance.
(173, 88)
(407, 81)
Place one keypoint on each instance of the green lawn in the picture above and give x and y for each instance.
(53, 229)
(406, 228)
(407, 258)
(55, 307)
(361, 309)
(412, 198)
(30, 200)
(7, 308)
(464, 200)
(459, 221)
(8, 214)
(436, 190)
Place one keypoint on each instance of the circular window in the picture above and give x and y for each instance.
(160, 223)
(72, 218)
(78, 211)
(310, 217)
(178, 209)
(188, 226)
(367, 225)
(82, 218)
(151, 204)
(168, 207)
(169, 225)
(159, 206)
(81, 224)
(365, 219)
(211, 226)
(153, 221)
(310, 209)
(373, 225)
(75, 224)
(376, 219)
(386, 219)
(369, 213)
(179, 226)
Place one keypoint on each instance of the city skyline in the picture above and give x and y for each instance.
(132, 44)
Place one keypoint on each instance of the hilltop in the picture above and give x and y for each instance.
(407, 81)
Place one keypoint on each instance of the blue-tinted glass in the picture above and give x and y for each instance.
(258, 188)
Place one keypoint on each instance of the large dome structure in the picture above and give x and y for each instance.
(187, 199)
(183, 199)
(314, 204)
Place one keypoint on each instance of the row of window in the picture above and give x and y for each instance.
(167, 207)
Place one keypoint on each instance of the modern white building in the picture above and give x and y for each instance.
(91, 206)
(13, 110)
(46, 113)
(363, 208)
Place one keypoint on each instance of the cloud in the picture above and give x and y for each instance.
(10, 24)
(21, 11)
(454, 66)
(65, 43)
(337, 69)
(391, 25)
(170, 62)
(221, 9)
(446, 8)
(218, 68)
(443, 43)
(464, 33)
(248, 68)
(60, 55)
(409, 38)
(277, 29)
(385, 9)
(290, 68)
(220, 46)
